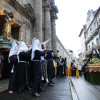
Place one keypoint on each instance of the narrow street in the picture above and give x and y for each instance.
(66, 88)
(4, 85)
(85, 90)
(61, 91)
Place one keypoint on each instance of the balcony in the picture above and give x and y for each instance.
(97, 47)
(93, 34)
(88, 52)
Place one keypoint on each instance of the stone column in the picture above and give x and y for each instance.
(22, 33)
(53, 35)
(27, 36)
(38, 22)
(47, 23)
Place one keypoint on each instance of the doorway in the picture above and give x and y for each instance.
(15, 31)
(4, 52)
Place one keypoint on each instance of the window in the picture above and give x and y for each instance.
(85, 35)
(90, 30)
(92, 44)
(89, 47)
(83, 55)
(94, 23)
(97, 41)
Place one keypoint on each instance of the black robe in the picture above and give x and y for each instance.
(65, 65)
(62, 67)
(50, 66)
(37, 64)
(23, 75)
(73, 69)
(58, 68)
(13, 73)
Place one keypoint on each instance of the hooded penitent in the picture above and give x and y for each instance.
(22, 47)
(36, 45)
(13, 50)
(44, 43)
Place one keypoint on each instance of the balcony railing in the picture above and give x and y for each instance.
(97, 46)
(94, 33)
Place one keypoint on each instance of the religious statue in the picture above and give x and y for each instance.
(5, 24)
(5, 29)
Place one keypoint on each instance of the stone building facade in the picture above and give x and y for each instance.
(83, 46)
(61, 51)
(33, 18)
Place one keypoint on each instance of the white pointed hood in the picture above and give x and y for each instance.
(44, 43)
(14, 49)
(36, 45)
(22, 47)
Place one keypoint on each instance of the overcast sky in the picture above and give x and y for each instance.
(71, 18)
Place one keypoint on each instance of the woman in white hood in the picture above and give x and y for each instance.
(23, 76)
(37, 52)
(13, 60)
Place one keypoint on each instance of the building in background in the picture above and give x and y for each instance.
(71, 54)
(61, 51)
(90, 33)
(82, 56)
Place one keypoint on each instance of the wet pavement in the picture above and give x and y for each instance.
(61, 91)
(3, 85)
(85, 90)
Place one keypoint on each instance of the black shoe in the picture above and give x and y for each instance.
(19, 91)
(50, 84)
(41, 90)
(35, 94)
(28, 88)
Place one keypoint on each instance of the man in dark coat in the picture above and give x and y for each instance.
(65, 66)
(50, 67)
(73, 69)
(58, 68)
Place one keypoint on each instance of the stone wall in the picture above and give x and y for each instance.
(62, 51)
(35, 18)
(21, 18)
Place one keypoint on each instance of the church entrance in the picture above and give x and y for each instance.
(5, 67)
(5, 48)
(15, 31)
(4, 52)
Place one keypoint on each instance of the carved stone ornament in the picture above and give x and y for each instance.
(29, 9)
